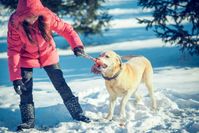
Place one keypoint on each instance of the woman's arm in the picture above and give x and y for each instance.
(66, 30)
(13, 52)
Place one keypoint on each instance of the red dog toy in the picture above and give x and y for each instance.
(97, 64)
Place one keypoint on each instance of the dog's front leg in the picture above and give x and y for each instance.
(112, 100)
(123, 106)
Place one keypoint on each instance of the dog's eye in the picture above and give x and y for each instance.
(107, 56)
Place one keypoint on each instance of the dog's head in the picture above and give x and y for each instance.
(111, 61)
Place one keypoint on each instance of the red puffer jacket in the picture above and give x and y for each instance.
(23, 53)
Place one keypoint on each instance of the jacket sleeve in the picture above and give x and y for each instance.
(13, 52)
(66, 30)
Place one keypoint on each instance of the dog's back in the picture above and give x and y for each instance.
(128, 57)
(140, 63)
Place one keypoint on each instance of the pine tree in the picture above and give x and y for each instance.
(175, 21)
(88, 15)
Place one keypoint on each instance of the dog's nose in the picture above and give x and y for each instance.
(99, 62)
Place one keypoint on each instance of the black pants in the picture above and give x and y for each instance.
(56, 76)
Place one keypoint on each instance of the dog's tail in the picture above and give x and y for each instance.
(128, 57)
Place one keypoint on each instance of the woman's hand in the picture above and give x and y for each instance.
(19, 86)
(78, 51)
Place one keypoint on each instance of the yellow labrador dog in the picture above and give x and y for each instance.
(122, 79)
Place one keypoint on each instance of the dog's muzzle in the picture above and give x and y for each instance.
(99, 63)
(97, 67)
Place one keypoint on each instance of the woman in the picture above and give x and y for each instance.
(30, 45)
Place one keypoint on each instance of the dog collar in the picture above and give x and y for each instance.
(111, 78)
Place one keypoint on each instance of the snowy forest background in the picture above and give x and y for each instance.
(122, 29)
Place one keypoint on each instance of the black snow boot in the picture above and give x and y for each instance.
(27, 116)
(75, 110)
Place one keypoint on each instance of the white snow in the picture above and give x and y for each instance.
(175, 78)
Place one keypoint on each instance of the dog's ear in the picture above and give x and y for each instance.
(119, 60)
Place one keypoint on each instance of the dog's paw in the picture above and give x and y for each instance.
(140, 103)
(108, 117)
(154, 109)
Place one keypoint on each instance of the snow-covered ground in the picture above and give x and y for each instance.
(176, 80)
